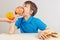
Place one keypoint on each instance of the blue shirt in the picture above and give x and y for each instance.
(31, 25)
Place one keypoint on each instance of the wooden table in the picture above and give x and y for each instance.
(23, 36)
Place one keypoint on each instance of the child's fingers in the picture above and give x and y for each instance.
(45, 36)
(40, 36)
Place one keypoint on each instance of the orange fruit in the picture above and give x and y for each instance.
(10, 15)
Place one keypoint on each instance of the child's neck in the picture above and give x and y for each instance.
(27, 17)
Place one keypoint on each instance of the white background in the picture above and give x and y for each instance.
(48, 12)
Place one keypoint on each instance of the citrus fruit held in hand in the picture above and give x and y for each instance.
(10, 15)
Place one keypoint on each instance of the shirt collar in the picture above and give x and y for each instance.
(30, 18)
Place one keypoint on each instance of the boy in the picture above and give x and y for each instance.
(28, 23)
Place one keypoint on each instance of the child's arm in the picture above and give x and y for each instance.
(12, 25)
(12, 28)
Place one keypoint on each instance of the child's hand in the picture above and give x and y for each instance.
(44, 35)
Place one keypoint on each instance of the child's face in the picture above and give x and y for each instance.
(27, 10)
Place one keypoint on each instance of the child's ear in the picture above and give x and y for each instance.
(31, 11)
